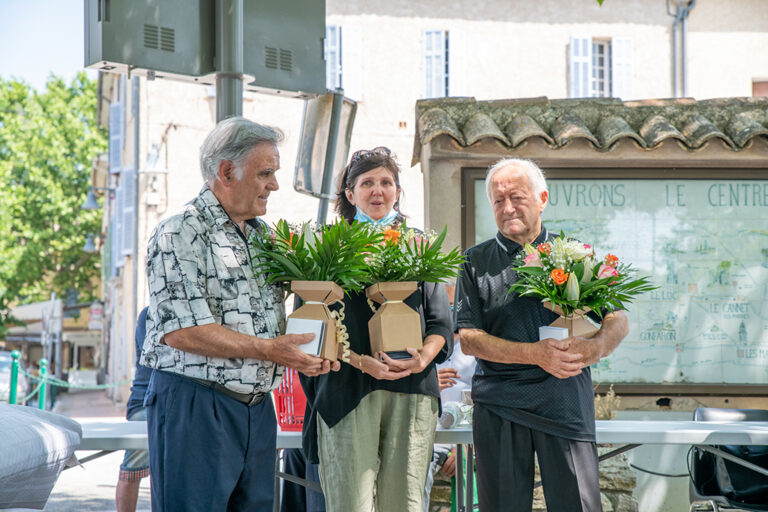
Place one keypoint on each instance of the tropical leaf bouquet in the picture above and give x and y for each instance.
(334, 252)
(319, 265)
(405, 254)
(568, 274)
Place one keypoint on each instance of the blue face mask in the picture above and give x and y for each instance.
(386, 220)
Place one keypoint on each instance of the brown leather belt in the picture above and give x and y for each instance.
(248, 399)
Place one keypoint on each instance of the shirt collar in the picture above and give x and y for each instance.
(511, 247)
(215, 213)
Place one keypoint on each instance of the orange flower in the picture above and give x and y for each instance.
(392, 236)
(545, 248)
(290, 239)
(559, 276)
(611, 260)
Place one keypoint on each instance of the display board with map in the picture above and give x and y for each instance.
(704, 243)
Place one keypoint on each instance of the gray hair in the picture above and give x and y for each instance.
(232, 139)
(534, 173)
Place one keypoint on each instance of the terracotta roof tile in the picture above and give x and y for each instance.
(601, 121)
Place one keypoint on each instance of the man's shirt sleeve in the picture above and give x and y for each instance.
(467, 307)
(176, 272)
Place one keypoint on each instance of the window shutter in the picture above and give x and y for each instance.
(116, 231)
(457, 63)
(128, 226)
(116, 125)
(621, 68)
(580, 67)
(332, 57)
(351, 62)
(434, 63)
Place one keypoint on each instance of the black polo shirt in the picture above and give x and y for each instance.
(522, 393)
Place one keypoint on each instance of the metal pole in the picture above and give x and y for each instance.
(14, 376)
(44, 384)
(229, 58)
(330, 155)
(684, 54)
(675, 65)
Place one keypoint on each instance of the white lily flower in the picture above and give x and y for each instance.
(587, 277)
(572, 287)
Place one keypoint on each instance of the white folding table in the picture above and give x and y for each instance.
(124, 435)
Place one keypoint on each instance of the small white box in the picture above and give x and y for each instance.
(303, 326)
(547, 331)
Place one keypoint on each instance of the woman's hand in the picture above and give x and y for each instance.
(420, 359)
(415, 364)
(381, 371)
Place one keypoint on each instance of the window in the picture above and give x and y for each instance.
(343, 60)
(760, 88)
(600, 86)
(436, 64)
(333, 57)
(600, 68)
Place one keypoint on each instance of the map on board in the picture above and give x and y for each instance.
(705, 244)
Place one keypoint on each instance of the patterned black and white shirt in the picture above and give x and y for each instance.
(199, 272)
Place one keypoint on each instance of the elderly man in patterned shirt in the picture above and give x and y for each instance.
(213, 335)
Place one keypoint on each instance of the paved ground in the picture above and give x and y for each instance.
(90, 487)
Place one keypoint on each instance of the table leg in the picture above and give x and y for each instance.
(276, 506)
(460, 506)
(470, 479)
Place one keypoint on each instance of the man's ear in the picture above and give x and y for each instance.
(226, 172)
(544, 197)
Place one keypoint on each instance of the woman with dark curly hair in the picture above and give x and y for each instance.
(371, 425)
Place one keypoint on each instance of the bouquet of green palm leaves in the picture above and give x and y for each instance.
(318, 265)
(334, 252)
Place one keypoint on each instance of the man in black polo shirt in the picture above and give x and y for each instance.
(530, 396)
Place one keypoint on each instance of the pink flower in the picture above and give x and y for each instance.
(532, 260)
(606, 271)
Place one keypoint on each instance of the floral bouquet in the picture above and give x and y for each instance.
(319, 266)
(567, 275)
(395, 266)
(407, 255)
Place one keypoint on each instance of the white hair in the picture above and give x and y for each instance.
(531, 170)
(232, 139)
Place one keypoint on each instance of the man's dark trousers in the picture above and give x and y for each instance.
(505, 467)
(207, 451)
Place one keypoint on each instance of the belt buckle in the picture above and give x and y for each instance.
(256, 398)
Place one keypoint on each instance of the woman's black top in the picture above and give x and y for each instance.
(335, 394)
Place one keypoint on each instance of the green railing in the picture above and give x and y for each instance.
(42, 381)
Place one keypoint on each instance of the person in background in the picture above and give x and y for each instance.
(297, 498)
(135, 464)
(454, 376)
(213, 335)
(531, 397)
(371, 425)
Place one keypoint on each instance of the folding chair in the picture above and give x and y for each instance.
(720, 483)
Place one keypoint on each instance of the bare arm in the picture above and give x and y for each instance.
(214, 340)
(615, 328)
(551, 355)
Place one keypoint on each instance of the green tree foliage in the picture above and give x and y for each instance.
(47, 143)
